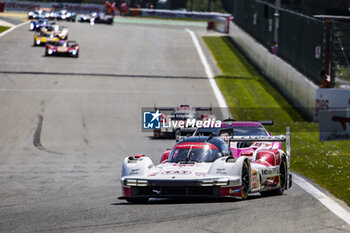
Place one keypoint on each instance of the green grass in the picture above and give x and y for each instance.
(3, 28)
(251, 97)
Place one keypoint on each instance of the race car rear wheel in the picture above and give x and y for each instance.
(282, 180)
(142, 200)
(245, 180)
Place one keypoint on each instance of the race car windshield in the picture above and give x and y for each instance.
(249, 131)
(237, 131)
(194, 152)
(61, 44)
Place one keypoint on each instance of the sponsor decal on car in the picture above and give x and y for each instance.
(236, 190)
(183, 165)
(270, 172)
(176, 172)
(221, 171)
(135, 171)
(201, 174)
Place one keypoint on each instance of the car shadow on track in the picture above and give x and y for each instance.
(172, 201)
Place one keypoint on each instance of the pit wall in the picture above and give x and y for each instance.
(294, 85)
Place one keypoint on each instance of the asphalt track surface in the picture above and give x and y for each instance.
(66, 124)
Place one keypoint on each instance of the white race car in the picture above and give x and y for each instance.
(203, 166)
(181, 114)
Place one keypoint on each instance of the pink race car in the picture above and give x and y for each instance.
(269, 164)
(230, 127)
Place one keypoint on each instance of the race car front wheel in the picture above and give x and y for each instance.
(245, 180)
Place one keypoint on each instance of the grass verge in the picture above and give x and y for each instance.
(251, 97)
(3, 28)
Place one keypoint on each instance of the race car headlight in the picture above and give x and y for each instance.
(132, 182)
(142, 183)
(220, 182)
(207, 183)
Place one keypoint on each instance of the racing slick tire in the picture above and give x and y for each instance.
(156, 134)
(46, 52)
(283, 181)
(77, 55)
(245, 180)
(142, 200)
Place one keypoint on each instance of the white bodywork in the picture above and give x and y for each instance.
(143, 168)
(224, 173)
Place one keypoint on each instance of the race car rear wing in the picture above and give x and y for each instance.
(261, 122)
(280, 138)
(266, 122)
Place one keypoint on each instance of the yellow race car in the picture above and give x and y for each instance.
(46, 36)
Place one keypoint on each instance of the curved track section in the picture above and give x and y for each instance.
(88, 112)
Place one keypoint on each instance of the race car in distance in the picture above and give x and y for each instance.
(230, 127)
(49, 37)
(87, 18)
(38, 14)
(203, 166)
(67, 48)
(40, 23)
(183, 113)
(102, 18)
(65, 15)
(59, 31)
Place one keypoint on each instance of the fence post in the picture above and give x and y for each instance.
(277, 18)
(327, 45)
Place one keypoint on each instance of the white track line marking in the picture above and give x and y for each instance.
(220, 98)
(323, 198)
(309, 188)
(150, 92)
(12, 28)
